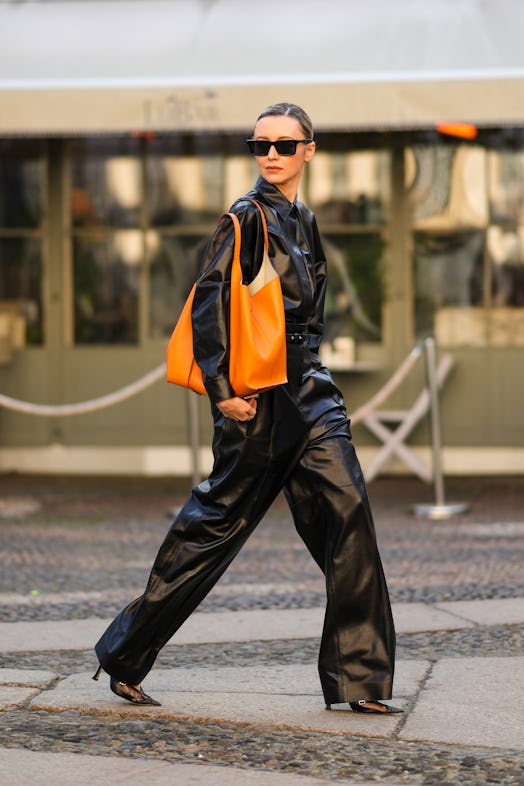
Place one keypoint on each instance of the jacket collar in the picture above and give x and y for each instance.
(275, 197)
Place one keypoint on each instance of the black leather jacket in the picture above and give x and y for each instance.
(296, 252)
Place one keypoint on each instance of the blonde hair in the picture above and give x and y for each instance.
(290, 110)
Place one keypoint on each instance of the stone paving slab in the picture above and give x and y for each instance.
(18, 686)
(471, 701)
(42, 598)
(27, 768)
(123, 594)
(509, 611)
(50, 635)
(417, 617)
(33, 678)
(267, 696)
(292, 679)
(254, 625)
(15, 696)
(279, 679)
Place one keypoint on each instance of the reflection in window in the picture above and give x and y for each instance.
(447, 186)
(449, 276)
(20, 290)
(459, 299)
(22, 209)
(106, 183)
(174, 262)
(240, 175)
(170, 191)
(469, 285)
(506, 254)
(185, 189)
(355, 295)
(506, 250)
(21, 186)
(194, 179)
(506, 186)
(105, 274)
(349, 188)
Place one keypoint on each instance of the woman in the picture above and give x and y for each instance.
(294, 438)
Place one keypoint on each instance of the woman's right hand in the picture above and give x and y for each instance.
(238, 408)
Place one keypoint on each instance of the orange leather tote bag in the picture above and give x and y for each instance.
(257, 333)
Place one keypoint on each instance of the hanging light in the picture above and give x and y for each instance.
(460, 130)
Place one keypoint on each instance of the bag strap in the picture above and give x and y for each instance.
(236, 269)
(237, 274)
(264, 222)
(236, 227)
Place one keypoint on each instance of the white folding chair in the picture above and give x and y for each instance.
(400, 422)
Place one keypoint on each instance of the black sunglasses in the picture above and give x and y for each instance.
(284, 147)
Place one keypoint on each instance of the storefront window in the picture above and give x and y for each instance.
(468, 216)
(447, 186)
(506, 187)
(449, 278)
(105, 274)
(350, 194)
(106, 183)
(108, 245)
(22, 188)
(190, 184)
(349, 188)
(168, 192)
(355, 293)
(174, 261)
(184, 189)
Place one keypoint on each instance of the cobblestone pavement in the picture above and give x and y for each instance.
(75, 548)
(98, 537)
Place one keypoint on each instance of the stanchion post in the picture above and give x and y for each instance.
(440, 510)
(436, 432)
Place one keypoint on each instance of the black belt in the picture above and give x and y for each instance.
(296, 334)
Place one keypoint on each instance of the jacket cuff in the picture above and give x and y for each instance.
(218, 389)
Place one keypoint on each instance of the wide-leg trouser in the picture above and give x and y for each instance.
(298, 442)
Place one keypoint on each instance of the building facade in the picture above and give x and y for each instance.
(102, 231)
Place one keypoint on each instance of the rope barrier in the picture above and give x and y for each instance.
(439, 510)
(116, 397)
(109, 400)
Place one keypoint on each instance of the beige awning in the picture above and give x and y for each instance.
(130, 65)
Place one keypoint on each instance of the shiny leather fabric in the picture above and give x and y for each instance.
(296, 253)
(298, 442)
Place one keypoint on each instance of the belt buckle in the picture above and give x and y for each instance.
(296, 338)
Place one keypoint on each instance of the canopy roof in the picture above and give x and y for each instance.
(80, 66)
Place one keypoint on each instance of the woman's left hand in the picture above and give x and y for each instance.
(238, 408)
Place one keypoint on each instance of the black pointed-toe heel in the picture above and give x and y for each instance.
(379, 709)
(134, 695)
(97, 673)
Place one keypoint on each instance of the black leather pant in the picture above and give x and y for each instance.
(299, 442)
